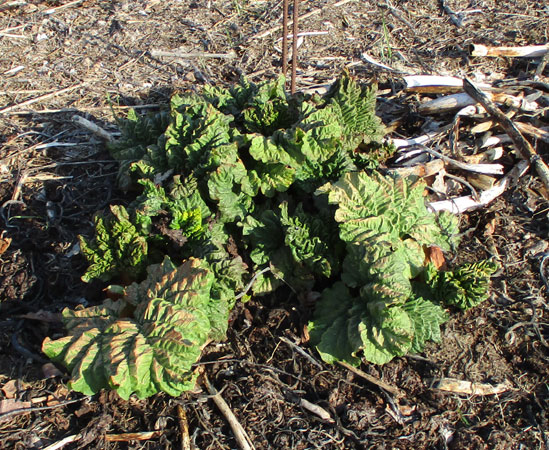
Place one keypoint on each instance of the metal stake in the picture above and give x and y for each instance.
(294, 47)
(284, 37)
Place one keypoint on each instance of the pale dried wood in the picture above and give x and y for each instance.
(39, 99)
(457, 101)
(523, 146)
(466, 203)
(242, 438)
(435, 84)
(184, 428)
(489, 169)
(531, 51)
(315, 409)
(470, 388)
(420, 170)
(139, 436)
(190, 55)
(94, 128)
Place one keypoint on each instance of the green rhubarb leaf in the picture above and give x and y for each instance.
(464, 287)
(427, 317)
(117, 248)
(388, 213)
(310, 240)
(146, 342)
(345, 328)
(386, 334)
(330, 330)
(354, 107)
(225, 187)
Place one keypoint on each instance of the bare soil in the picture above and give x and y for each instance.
(96, 59)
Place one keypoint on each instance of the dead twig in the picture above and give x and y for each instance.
(95, 129)
(16, 412)
(39, 99)
(81, 109)
(381, 384)
(125, 437)
(190, 55)
(456, 18)
(315, 409)
(184, 428)
(242, 438)
(524, 147)
(284, 37)
(490, 169)
(302, 352)
(467, 387)
(49, 12)
(65, 441)
(294, 46)
(531, 51)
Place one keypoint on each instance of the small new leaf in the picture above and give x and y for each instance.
(117, 248)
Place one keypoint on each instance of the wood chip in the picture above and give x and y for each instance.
(469, 388)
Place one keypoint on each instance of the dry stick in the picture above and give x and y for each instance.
(454, 17)
(524, 147)
(125, 437)
(184, 427)
(38, 99)
(315, 409)
(387, 387)
(15, 412)
(85, 108)
(60, 444)
(294, 46)
(95, 129)
(240, 434)
(302, 352)
(462, 204)
(303, 17)
(285, 37)
(189, 55)
(490, 169)
(48, 12)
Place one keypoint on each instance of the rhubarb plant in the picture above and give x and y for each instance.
(250, 180)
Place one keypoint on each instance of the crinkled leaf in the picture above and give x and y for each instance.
(117, 248)
(310, 240)
(346, 327)
(225, 187)
(354, 105)
(427, 317)
(148, 341)
(464, 287)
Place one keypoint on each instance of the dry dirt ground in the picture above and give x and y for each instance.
(97, 58)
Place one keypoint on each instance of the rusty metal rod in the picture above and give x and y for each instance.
(294, 46)
(285, 37)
